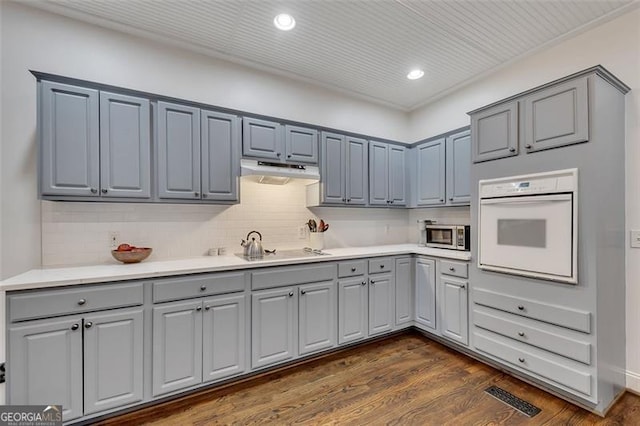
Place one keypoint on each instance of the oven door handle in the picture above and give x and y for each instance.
(536, 199)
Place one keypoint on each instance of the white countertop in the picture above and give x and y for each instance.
(54, 277)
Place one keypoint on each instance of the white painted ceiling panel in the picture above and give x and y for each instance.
(362, 47)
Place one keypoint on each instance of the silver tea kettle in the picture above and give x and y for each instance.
(253, 249)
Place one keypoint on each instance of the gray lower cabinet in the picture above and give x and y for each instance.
(556, 116)
(220, 156)
(272, 326)
(353, 308)
(198, 341)
(430, 173)
(344, 169)
(458, 159)
(404, 291)
(381, 303)
(494, 132)
(454, 310)
(425, 293)
(86, 364)
(317, 317)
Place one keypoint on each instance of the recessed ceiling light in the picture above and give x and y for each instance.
(415, 74)
(284, 22)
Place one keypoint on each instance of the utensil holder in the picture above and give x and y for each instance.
(316, 240)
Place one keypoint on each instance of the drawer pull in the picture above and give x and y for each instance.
(452, 269)
(521, 333)
(74, 327)
(82, 302)
(206, 308)
(303, 292)
(203, 287)
(290, 294)
(353, 269)
(364, 283)
(520, 308)
(372, 282)
(521, 359)
(88, 325)
(381, 266)
(199, 308)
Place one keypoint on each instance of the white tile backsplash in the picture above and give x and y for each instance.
(76, 233)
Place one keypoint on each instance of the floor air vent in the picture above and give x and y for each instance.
(513, 401)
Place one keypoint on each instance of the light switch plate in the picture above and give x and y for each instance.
(635, 238)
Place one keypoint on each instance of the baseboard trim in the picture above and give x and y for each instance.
(633, 382)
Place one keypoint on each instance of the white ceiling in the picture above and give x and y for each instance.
(364, 48)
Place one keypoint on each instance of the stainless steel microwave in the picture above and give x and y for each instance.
(454, 237)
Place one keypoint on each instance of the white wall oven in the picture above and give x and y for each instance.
(528, 225)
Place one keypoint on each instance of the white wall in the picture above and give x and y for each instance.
(616, 46)
(38, 40)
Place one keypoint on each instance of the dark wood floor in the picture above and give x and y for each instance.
(404, 380)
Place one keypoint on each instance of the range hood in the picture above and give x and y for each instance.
(276, 173)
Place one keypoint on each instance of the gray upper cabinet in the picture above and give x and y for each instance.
(404, 291)
(426, 293)
(352, 309)
(494, 132)
(397, 175)
(177, 346)
(113, 359)
(317, 317)
(178, 151)
(454, 309)
(125, 146)
(272, 326)
(556, 116)
(381, 303)
(262, 139)
(69, 138)
(459, 168)
(378, 173)
(220, 156)
(224, 334)
(272, 141)
(430, 171)
(45, 365)
(357, 171)
(301, 144)
(333, 168)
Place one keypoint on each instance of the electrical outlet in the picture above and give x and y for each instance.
(114, 237)
(635, 239)
(302, 232)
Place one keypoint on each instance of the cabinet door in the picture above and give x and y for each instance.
(317, 317)
(272, 326)
(404, 290)
(378, 173)
(397, 176)
(113, 353)
(178, 151)
(381, 303)
(357, 171)
(430, 173)
(494, 132)
(454, 310)
(333, 168)
(220, 156)
(556, 116)
(353, 307)
(426, 293)
(125, 146)
(69, 138)
(44, 365)
(301, 144)
(262, 139)
(224, 331)
(459, 168)
(177, 346)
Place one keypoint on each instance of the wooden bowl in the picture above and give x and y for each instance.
(132, 256)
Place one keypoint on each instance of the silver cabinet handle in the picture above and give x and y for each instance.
(94, 191)
(520, 308)
(82, 302)
(197, 194)
(302, 291)
(88, 325)
(344, 199)
(206, 308)
(278, 154)
(364, 283)
(204, 195)
(290, 294)
(348, 200)
(104, 190)
(203, 287)
(199, 308)
(521, 333)
(74, 327)
(441, 200)
(450, 198)
(289, 156)
(521, 359)
(381, 266)
(372, 282)
(353, 269)
(528, 146)
(452, 269)
(512, 149)
(462, 286)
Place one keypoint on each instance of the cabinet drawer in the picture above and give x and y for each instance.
(383, 264)
(200, 285)
(546, 365)
(531, 332)
(351, 269)
(457, 269)
(279, 277)
(49, 303)
(564, 317)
